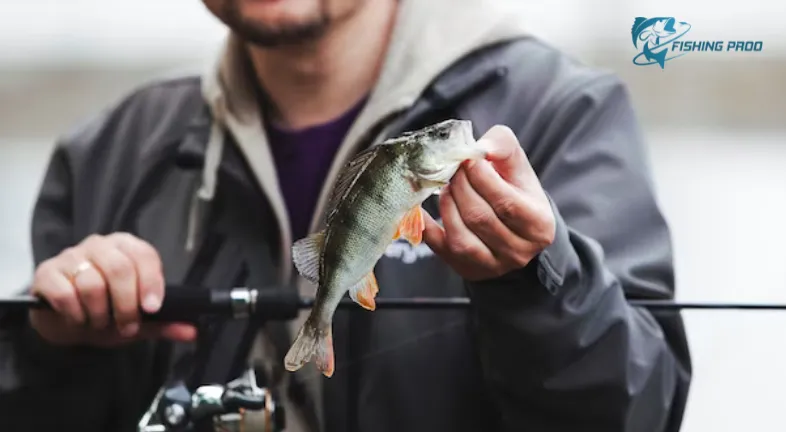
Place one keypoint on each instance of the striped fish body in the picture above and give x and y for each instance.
(376, 199)
(363, 225)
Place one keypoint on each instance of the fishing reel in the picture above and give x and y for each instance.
(240, 405)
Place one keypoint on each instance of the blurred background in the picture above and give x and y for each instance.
(715, 124)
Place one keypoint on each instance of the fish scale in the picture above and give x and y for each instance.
(368, 215)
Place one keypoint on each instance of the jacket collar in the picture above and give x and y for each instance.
(466, 77)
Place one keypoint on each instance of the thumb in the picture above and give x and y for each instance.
(504, 152)
(433, 234)
(179, 332)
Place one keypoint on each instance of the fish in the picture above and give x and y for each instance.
(376, 199)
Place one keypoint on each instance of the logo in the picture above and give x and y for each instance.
(654, 35)
(408, 253)
(659, 40)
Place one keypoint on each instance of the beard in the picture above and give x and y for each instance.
(272, 36)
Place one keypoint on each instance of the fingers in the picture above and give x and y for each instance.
(103, 277)
(51, 284)
(496, 215)
(110, 337)
(505, 153)
(507, 203)
(148, 269)
(179, 332)
(477, 214)
(460, 242)
(481, 219)
(120, 276)
(175, 331)
(91, 290)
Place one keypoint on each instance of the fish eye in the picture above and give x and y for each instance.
(443, 134)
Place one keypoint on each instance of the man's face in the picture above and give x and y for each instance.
(272, 23)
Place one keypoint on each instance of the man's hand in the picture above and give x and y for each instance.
(495, 213)
(118, 271)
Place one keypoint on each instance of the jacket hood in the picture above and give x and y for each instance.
(428, 36)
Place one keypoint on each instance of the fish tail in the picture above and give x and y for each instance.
(313, 342)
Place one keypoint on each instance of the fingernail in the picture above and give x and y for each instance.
(129, 329)
(151, 303)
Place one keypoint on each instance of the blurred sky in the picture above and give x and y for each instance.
(715, 123)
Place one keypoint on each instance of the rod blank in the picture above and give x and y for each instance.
(31, 302)
(463, 302)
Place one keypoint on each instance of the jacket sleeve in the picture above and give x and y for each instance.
(44, 387)
(561, 347)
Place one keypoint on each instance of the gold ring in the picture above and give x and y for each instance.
(84, 265)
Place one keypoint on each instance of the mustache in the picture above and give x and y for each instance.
(267, 35)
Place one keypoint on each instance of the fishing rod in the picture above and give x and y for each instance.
(188, 305)
(215, 407)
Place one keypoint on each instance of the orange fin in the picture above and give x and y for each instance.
(364, 292)
(327, 363)
(411, 226)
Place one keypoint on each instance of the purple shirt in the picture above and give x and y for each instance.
(303, 158)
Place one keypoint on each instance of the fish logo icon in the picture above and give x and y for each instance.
(653, 37)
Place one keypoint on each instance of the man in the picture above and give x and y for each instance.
(208, 181)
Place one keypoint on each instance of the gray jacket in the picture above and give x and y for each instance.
(554, 346)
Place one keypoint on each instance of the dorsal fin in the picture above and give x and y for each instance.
(349, 175)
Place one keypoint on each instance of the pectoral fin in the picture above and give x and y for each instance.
(306, 253)
(411, 226)
(364, 292)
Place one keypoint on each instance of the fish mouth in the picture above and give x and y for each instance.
(468, 148)
(443, 160)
